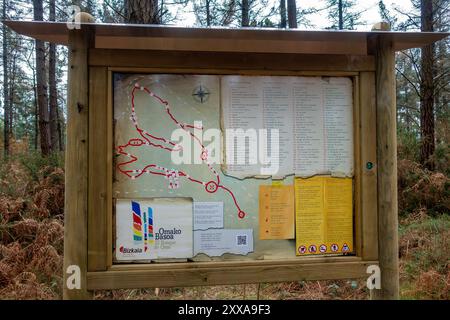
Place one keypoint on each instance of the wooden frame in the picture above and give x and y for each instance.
(103, 274)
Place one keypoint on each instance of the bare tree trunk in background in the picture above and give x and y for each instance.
(53, 101)
(427, 90)
(292, 13)
(229, 12)
(41, 83)
(161, 11)
(12, 81)
(142, 11)
(245, 19)
(341, 15)
(60, 129)
(208, 13)
(6, 105)
(36, 112)
(283, 22)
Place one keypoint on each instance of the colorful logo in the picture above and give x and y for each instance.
(142, 225)
(137, 221)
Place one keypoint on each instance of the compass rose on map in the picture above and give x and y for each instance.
(201, 94)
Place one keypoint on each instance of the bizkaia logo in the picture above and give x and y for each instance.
(129, 250)
(142, 225)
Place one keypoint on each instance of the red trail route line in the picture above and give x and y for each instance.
(150, 140)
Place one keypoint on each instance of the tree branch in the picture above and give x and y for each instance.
(409, 81)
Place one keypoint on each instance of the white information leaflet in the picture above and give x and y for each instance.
(208, 215)
(216, 242)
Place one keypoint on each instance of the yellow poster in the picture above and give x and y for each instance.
(324, 215)
(276, 212)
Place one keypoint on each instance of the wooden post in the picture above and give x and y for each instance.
(387, 169)
(76, 165)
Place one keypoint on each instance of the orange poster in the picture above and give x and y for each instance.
(276, 212)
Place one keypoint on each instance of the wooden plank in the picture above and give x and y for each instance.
(368, 172)
(206, 33)
(233, 274)
(231, 61)
(357, 46)
(110, 170)
(387, 169)
(357, 165)
(239, 263)
(76, 164)
(233, 37)
(98, 175)
(255, 72)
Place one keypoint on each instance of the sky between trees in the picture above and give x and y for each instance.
(369, 12)
(369, 16)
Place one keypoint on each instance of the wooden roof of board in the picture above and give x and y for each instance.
(158, 37)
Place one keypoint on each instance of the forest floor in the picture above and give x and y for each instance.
(32, 233)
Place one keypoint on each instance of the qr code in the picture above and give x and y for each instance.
(241, 240)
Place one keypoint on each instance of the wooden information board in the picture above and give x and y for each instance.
(134, 220)
(146, 103)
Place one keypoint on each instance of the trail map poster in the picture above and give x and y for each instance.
(169, 139)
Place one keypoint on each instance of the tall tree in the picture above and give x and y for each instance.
(142, 11)
(36, 111)
(283, 22)
(53, 96)
(342, 14)
(6, 99)
(12, 85)
(208, 12)
(245, 9)
(420, 74)
(41, 83)
(292, 13)
(427, 89)
(217, 13)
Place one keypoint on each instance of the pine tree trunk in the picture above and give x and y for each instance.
(36, 112)
(341, 15)
(41, 83)
(12, 81)
(142, 11)
(283, 22)
(208, 14)
(53, 101)
(292, 13)
(245, 20)
(427, 90)
(6, 105)
(60, 129)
